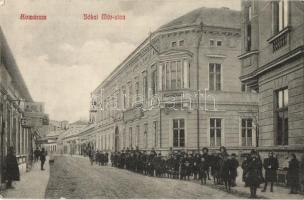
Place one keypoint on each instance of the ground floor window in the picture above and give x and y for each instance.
(247, 132)
(215, 132)
(282, 116)
(178, 133)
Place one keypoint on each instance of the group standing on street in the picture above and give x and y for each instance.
(201, 166)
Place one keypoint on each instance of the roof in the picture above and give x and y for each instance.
(12, 68)
(219, 17)
(80, 122)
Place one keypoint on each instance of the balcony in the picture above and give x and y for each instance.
(279, 40)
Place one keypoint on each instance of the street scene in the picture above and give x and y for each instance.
(162, 99)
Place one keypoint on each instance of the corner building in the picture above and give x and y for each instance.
(151, 99)
(273, 65)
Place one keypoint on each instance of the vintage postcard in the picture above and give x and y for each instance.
(152, 99)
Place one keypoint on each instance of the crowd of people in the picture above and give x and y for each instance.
(221, 166)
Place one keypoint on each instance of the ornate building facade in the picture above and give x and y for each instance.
(273, 65)
(179, 89)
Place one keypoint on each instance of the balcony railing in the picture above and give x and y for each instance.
(280, 40)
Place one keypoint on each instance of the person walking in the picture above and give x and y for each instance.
(11, 168)
(36, 154)
(293, 174)
(42, 158)
(253, 178)
(271, 166)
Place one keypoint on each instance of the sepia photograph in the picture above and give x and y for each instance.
(152, 99)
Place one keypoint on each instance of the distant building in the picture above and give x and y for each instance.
(68, 141)
(179, 89)
(273, 65)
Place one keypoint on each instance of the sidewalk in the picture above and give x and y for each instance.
(239, 190)
(32, 184)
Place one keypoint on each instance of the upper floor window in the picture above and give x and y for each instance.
(124, 102)
(145, 86)
(173, 44)
(279, 15)
(219, 43)
(130, 137)
(178, 133)
(282, 116)
(175, 74)
(130, 94)
(137, 90)
(249, 13)
(154, 82)
(181, 43)
(214, 76)
(211, 43)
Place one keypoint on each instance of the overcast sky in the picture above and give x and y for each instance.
(64, 58)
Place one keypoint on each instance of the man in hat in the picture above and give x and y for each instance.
(270, 165)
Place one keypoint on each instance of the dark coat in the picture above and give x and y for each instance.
(271, 166)
(234, 164)
(245, 168)
(42, 156)
(253, 177)
(11, 168)
(293, 172)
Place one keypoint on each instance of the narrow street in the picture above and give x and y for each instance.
(74, 177)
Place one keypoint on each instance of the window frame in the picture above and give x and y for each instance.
(247, 128)
(215, 133)
(214, 76)
(284, 111)
(178, 129)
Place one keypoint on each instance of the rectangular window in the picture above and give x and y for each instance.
(137, 91)
(247, 132)
(282, 116)
(214, 76)
(211, 43)
(155, 134)
(173, 44)
(145, 87)
(154, 82)
(219, 43)
(146, 136)
(179, 75)
(163, 67)
(178, 133)
(181, 43)
(168, 75)
(248, 29)
(130, 95)
(137, 136)
(130, 137)
(175, 74)
(280, 15)
(215, 132)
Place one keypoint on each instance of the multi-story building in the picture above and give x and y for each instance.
(16, 106)
(179, 89)
(273, 65)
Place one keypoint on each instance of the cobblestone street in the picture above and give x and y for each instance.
(74, 177)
